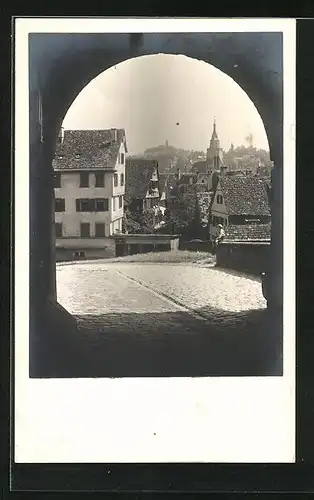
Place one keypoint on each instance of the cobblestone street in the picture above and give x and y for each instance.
(166, 320)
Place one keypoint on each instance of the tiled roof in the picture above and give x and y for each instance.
(244, 196)
(247, 232)
(82, 149)
(138, 173)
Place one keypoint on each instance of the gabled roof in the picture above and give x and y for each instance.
(248, 232)
(244, 195)
(138, 173)
(84, 149)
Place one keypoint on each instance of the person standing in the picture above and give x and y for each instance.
(219, 237)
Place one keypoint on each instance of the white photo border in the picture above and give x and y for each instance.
(151, 420)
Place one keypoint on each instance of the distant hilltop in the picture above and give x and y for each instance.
(170, 158)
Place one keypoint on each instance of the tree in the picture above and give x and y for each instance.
(195, 228)
(130, 224)
(175, 223)
(139, 223)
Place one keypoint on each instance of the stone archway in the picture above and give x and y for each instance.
(61, 65)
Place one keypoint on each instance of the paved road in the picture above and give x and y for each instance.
(166, 320)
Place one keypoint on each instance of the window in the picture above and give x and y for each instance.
(57, 180)
(83, 205)
(59, 205)
(58, 229)
(99, 230)
(100, 179)
(122, 159)
(219, 199)
(120, 201)
(101, 205)
(114, 203)
(252, 221)
(85, 229)
(122, 180)
(79, 254)
(84, 179)
(92, 205)
(115, 180)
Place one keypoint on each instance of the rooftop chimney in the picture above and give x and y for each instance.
(114, 135)
(61, 135)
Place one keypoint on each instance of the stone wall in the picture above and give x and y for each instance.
(205, 246)
(249, 257)
(68, 254)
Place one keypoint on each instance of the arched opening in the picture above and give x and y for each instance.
(93, 56)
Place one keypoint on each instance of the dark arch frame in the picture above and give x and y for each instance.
(61, 65)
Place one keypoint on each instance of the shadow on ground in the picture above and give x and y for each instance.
(170, 344)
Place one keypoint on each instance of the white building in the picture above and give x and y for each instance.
(89, 170)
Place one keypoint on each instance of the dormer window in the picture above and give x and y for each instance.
(252, 221)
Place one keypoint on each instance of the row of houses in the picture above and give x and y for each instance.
(238, 201)
(96, 185)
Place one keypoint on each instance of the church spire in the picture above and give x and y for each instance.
(214, 134)
(214, 138)
(214, 152)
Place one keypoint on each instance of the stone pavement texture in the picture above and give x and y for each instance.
(166, 320)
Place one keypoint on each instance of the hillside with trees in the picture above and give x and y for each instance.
(170, 158)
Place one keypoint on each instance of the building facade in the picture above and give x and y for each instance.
(89, 173)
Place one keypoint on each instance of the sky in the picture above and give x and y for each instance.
(167, 97)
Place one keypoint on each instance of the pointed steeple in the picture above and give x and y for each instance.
(214, 134)
(214, 141)
(214, 152)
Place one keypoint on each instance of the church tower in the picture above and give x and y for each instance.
(214, 158)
